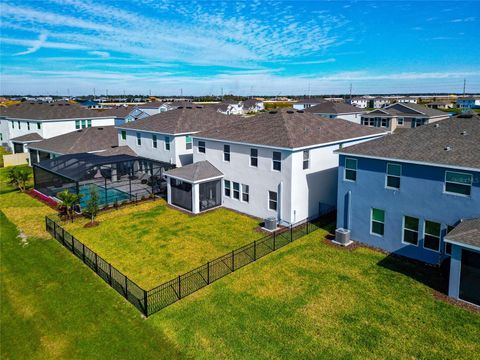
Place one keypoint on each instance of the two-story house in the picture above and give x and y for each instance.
(279, 164)
(359, 102)
(337, 110)
(402, 116)
(404, 192)
(307, 103)
(467, 103)
(30, 122)
(167, 136)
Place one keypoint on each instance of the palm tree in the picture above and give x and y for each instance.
(69, 200)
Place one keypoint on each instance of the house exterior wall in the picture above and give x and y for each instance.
(5, 132)
(303, 106)
(178, 153)
(455, 271)
(353, 117)
(421, 195)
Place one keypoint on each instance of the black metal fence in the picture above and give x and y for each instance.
(151, 301)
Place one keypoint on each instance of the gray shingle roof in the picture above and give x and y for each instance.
(84, 140)
(28, 137)
(467, 232)
(406, 109)
(198, 171)
(288, 128)
(310, 101)
(116, 111)
(184, 120)
(427, 144)
(49, 111)
(330, 107)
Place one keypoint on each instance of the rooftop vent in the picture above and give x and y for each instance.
(272, 111)
(100, 128)
(189, 107)
(290, 111)
(52, 104)
(180, 107)
(464, 132)
(300, 111)
(437, 125)
(199, 107)
(447, 148)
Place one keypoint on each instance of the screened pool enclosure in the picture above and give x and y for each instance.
(117, 178)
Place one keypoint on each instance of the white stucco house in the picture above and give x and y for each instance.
(167, 136)
(276, 164)
(360, 102)
(336, 110)
(31, 122)
(154, 107)
(306, 103)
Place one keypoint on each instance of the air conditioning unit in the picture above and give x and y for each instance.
(270, 224)
(342, 237)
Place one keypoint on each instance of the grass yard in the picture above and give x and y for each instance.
(152, 243)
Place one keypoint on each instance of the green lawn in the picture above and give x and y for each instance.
(152, 243)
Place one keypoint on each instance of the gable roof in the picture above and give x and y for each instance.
(428, 144)
(201, 170)
(79, 141)
(28, 138)
(310, 101)
(183, 120)
(405, 109)
(330, 107)
(288, 128)
(117, 111)
(49, 111)
(467, 232)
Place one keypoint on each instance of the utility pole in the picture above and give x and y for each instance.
(106, 93)
(464, 86)
(221, 93)
(309, 95)
(150, 92)
(94, 93)
(350, 92)
(181, 92)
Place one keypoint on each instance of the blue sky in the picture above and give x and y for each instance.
(249, 47)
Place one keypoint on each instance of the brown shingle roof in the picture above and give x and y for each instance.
(330, 107)
(184, 120)
(49, 111)
(405, 109)
(84, 140)
(201, 170)
(287, 128)
(467, 232)
(28, 137)
(428, 143)
(117, 111)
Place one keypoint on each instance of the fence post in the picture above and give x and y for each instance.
(83, 252)
(55, 230)
(73, 245)
(255, 250)
(63, 236)
(179, 288)
(208, 272)
(291, 232)
(145, 302)
(96, 263)
(274, 235)
(46, 223)
(126, 287)
(233, 261)
(110, 273)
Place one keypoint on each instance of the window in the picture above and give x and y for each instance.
(272, 200)
(458, 183)
(400, 121)
(226, 152)
(431, 240)
(28, 125)
(18, 122)
(236, 190)
(124, 135)
(378, 222)
(139, 139)
(448, 246)
(277, 161)
(254, 157)
(394, 171)
(201, 147)
(1, 137)
(245, 192)
(167, 142)
(227, 187)
(350, 169)
(39, 125)
(154, 141)
(84, 124)
(384, 122)
(188, 142)
(77, 124)
(13, 124)
(306, 159)
(410, 230)
(89, 123)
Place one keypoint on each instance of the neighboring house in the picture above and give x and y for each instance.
(252, 106)
(47, 120)
(336, 110)
(230, 107)
(402, 116)
(4, 132)
(155, 107)
(407, 100)
(402, 193)
(379, 102)
(440, 105)
(91, 104)
(276, 164)
(306, 103)
(360, 102)
(93, 139)
(467, 103)
(167, 136)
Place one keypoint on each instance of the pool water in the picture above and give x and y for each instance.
(112, 195)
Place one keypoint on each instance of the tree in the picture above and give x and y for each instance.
(92, 207)
(18, 177)
(69, 201)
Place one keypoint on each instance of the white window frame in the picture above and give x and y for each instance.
(400, 121)
(454, 193)
(167, 145)
(397, 176)
(276, 161)
(276, 200)
(139, 138)
(229, 187)
(200, 147)
(253, 157)
(233, 190)
(307, 160)
(188, 144)
(417, 231)
(345, 170)
(439, 235)
(371, 222)
(154, 141)
(245, 191)
(226, 154)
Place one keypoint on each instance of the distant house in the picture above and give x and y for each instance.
(91, 104)
(252, 106)
(239, 107)
(402, 116)
(31, 122)
(155, 107)
(444, 105)
(407, 100)
(306, 103)
(360, 102)
(411, 194)
(167, 136)
(336, 110)
(276, 164)
(467, 103)
(379, 102)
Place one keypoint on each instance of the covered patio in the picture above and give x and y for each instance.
(464, 282)
(195, 187)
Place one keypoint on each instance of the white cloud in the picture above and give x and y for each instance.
(101, 54)
(36, 45)
(312, 62)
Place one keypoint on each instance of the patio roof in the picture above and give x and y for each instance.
(196, 172)
(466, 234)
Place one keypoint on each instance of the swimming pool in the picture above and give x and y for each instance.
(112, 195)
